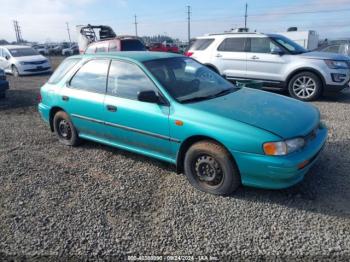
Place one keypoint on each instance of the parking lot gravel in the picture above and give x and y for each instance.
(96, 201)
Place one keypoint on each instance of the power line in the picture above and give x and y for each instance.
(189, 23)
(135, 25)
(70, 41)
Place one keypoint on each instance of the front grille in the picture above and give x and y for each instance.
(37, 69)
(35, 62)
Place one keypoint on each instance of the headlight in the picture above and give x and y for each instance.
(336, 64)
(282, 148)
(22, 63)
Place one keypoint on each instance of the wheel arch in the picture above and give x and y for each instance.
(211, 66)
(187, 143)
(53, 111)
(306, 69)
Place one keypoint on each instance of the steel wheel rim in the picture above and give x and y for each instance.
(64, 129)
(207, 171)
(304, 87)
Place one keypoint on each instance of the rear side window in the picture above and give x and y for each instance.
(201, 44)
(232, 45)
(132, 45)
(127, 80)
(63, 69)
(92, 76)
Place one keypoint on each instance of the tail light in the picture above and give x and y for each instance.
(188, 53)
(40, 98)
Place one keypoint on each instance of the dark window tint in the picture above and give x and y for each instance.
(201, 44)
(91, 77)
(262, 45)
(232, 45)
(63, 68)
(132, 45)
(127, 80)
(91, 49)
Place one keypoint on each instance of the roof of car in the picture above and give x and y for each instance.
(139, 56)
(15, 46)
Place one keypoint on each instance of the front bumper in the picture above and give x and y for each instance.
(277, 172)
(34, 69)
(335, 88)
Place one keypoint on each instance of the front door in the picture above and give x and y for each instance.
(230, 57)
(82, 98)
(134, 124)
(262, 62)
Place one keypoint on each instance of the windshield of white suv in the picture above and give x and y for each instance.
(187, 80)
(288, 44)
(18, 52)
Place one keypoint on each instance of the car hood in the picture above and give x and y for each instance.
(32, 58)
(280, 115)
(324, 55)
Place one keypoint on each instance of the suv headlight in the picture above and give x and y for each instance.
(333, 64)
(282, 148)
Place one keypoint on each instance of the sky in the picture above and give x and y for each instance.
(45, 20)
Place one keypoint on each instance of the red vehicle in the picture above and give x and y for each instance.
(160, 47)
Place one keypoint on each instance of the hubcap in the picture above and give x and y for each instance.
(64, 129)
(304, 87)
(208, 170)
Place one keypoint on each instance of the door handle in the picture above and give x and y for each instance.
(65, 98)
(111, 108)
(254, 57)
(218, 55)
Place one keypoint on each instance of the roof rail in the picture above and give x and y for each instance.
(236, 33)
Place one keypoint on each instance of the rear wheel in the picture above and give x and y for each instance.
(305, 86)
(65, 129)
(210, 168)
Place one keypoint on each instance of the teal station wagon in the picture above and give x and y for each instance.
(175, 109)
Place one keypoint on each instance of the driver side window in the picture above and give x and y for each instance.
(262, 45)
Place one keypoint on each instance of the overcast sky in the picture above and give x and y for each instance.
(45, 20)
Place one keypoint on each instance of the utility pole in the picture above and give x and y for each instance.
(135, 23)
(70, 41)
(17, 31)
(246, 15)
(189, 23)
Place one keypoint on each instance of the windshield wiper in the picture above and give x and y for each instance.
(201, 98)
(223, 92)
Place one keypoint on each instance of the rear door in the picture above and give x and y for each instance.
(230, 57)
(262, 63)
(131, 123)
(83, 96)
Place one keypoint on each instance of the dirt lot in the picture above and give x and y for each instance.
(94, 200)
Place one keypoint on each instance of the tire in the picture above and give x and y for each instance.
(305, 86)
(14, 71)
(210, 168)
(65, 130)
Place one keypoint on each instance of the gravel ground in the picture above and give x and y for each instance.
(98, 201)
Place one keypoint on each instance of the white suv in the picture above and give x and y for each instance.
(276, 60)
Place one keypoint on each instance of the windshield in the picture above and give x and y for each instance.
(290, 45)
(18, 52)
(187, 80)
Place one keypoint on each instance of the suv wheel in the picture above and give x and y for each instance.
(65, 130)
(210, 168)
(305, 86)
(14, 71)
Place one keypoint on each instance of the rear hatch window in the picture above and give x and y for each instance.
(201, 44)
(132, 45)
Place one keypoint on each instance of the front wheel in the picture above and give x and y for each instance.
(305, 86)
(65, 129)
(15, 72)
(210, 168)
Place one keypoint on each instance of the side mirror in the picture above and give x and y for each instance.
(7, 57)
(149, 96)
(277, 51)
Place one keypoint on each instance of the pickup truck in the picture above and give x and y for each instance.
(4, 85)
